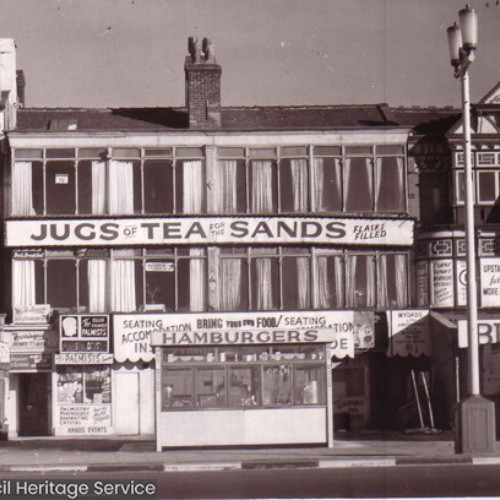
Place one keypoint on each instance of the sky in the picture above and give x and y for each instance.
(130, 53)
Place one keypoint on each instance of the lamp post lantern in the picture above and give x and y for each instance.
(475, 432)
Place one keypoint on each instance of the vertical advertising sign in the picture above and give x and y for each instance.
(443, 294)
(461, 280)
(423, 283)
(490, 282)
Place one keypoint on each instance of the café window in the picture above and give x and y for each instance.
(84, 384)
(243, 377)
(299, 278)
(121, 280)
(175, 279)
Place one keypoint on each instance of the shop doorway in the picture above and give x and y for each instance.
(127, 404)
(34, 396)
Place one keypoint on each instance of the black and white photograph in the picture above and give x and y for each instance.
(250, 249)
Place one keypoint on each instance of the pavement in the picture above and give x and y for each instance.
(113, 454)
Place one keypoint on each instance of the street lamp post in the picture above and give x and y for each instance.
(475, 433)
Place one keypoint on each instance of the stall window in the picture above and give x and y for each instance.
(309, 385)
(177, 388)
(277, 385)
(243, 387)
(210, 387)
(86, 384)
(243, 376)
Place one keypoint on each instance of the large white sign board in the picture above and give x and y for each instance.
(342, 330)
(210, 230)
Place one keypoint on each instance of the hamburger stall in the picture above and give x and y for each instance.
(249, 378)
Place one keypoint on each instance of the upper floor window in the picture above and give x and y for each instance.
(299, 179)
(359, 179)
(172, 180)
(94, 181)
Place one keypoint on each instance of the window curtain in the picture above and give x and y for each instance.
(121, 187)
(323, 287)
(328, 297)
(227, 186)
(262, 186)
(382, 288)
(320, 179)
(22, 189)
(401, 280)
(97, 279)
(230, 282)
(360, 288)
(370, 281)
(98, 187)
(263, 284)
(352, 262)
(192, 203)
(23, 282)
(197, 280)
(299, 172)
(192, 172)
(396, 199)
(303, 283)
(123, 285)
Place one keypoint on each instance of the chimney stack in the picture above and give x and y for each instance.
(203, 77)
(21, 88)
(8, 84)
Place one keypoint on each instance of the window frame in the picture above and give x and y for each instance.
(212, 359)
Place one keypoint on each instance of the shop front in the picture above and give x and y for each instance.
(248, 378)
(28, 405)
(81, 381)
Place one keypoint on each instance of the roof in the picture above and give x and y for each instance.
(264, 118)
(427, 121)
